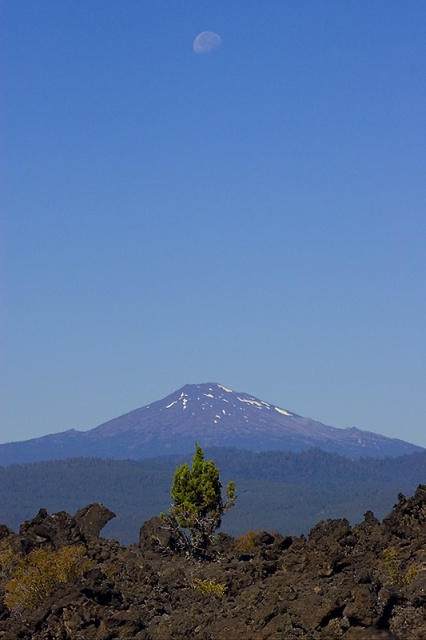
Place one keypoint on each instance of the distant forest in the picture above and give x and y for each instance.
(282, 491)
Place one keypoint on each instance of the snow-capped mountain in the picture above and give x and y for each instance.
(211, 415)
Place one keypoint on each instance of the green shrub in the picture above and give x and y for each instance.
(8, 560)
(394, 570)
(210, 587)
(37, 574)
(245, 542)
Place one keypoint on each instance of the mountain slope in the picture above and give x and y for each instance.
(211, 415)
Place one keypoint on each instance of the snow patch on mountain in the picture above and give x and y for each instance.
(285, 413)
(253, 402)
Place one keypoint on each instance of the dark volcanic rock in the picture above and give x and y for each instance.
(156, 535)
(49, 531)
(370, 634)
(5, 532)
(61, 529)
(365, 582)
(92, 519)
(408, 519)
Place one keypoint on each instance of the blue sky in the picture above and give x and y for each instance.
(255, 216)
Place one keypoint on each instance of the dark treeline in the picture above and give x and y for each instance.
(282, 491)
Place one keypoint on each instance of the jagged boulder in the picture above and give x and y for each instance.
(5, 532)
(61, 528)
(92, 519)
(53, 531)
(155, 533)
(407, 521)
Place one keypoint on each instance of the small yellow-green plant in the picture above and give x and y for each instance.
(245, 542)
(8, 560)
(394, 570)
(37, 574)
(110, 570)
(210, 587)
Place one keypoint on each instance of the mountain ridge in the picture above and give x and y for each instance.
(211, 414)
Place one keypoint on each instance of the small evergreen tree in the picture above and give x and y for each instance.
(198, 504)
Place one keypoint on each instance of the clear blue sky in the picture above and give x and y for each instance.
(255, 216)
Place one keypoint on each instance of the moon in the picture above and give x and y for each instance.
(206, 42)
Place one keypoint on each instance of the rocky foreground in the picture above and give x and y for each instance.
(366, 581)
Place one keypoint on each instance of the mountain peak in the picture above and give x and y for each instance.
(205, 394)
(211, 414)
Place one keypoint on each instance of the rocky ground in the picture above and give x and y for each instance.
(361, 582)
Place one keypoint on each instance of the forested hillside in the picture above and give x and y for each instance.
(282, 491)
